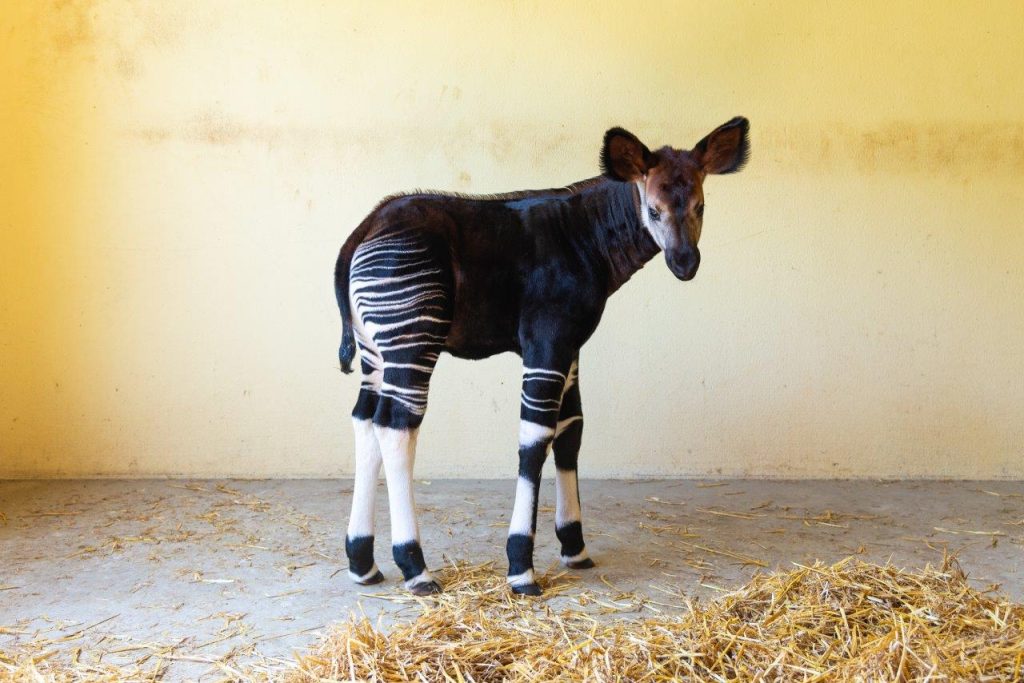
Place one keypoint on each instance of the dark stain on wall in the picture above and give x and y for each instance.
(214, 129)
(143, 30)
(945, 149)
(899, 147)
(126, 65)
(152, 134)
(933, 149)
(71, 24)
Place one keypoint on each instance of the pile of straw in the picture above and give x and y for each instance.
(851, 621)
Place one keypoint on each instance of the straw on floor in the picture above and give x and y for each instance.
(851, 621)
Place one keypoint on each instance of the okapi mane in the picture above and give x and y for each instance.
(554, 192)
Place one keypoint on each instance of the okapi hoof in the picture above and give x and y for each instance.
(580, 560)
(526, 589)
(585, 563)
(425, 588)
(376, 578)
(369, 578)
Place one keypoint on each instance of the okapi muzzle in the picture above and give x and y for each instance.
(683, 262)
(527, 272)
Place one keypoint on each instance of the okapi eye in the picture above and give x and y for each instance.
(699, 210)
(653, 213)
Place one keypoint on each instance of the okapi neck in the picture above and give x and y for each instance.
(626, 245)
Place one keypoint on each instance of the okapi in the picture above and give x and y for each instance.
(527, 272)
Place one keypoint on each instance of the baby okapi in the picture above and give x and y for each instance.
(528, 272)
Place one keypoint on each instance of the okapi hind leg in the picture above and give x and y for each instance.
(568, 435)
(359, 539)
(399, 288)
(541, 399)
(398, 448)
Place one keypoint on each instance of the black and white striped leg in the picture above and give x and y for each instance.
(359, 540)
(568, 434)
(541, 398)
(399, 293)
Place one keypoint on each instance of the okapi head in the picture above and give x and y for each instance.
(671, 184)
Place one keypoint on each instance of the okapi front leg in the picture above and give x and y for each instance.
(541, 398)
(568, 434)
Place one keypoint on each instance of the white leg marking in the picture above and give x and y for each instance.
(540, 373)
(524, 579)
(522, 510)
(398, 450)
(531, 433)
(364, 487)
(567, 507)
(365, 577)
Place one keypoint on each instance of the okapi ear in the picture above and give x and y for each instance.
(726, 149)
(624, 157)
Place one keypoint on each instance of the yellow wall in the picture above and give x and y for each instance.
(176, 179)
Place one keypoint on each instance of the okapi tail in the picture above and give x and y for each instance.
(347, 350)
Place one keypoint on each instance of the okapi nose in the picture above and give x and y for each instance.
(683, 263)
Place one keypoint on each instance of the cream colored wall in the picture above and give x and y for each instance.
(176, 179)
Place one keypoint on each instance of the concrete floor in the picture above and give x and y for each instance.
(236, 570)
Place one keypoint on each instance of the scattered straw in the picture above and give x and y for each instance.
(738, 514)
(969, 532)
(851, 621)
(846, 622)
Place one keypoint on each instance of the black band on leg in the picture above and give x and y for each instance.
(394, 414)
(360, 558)
(567, 446)
(366, 404)
(360, 554)
(571, 536)
(519, 548)
(409, 558)
(567, 442)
